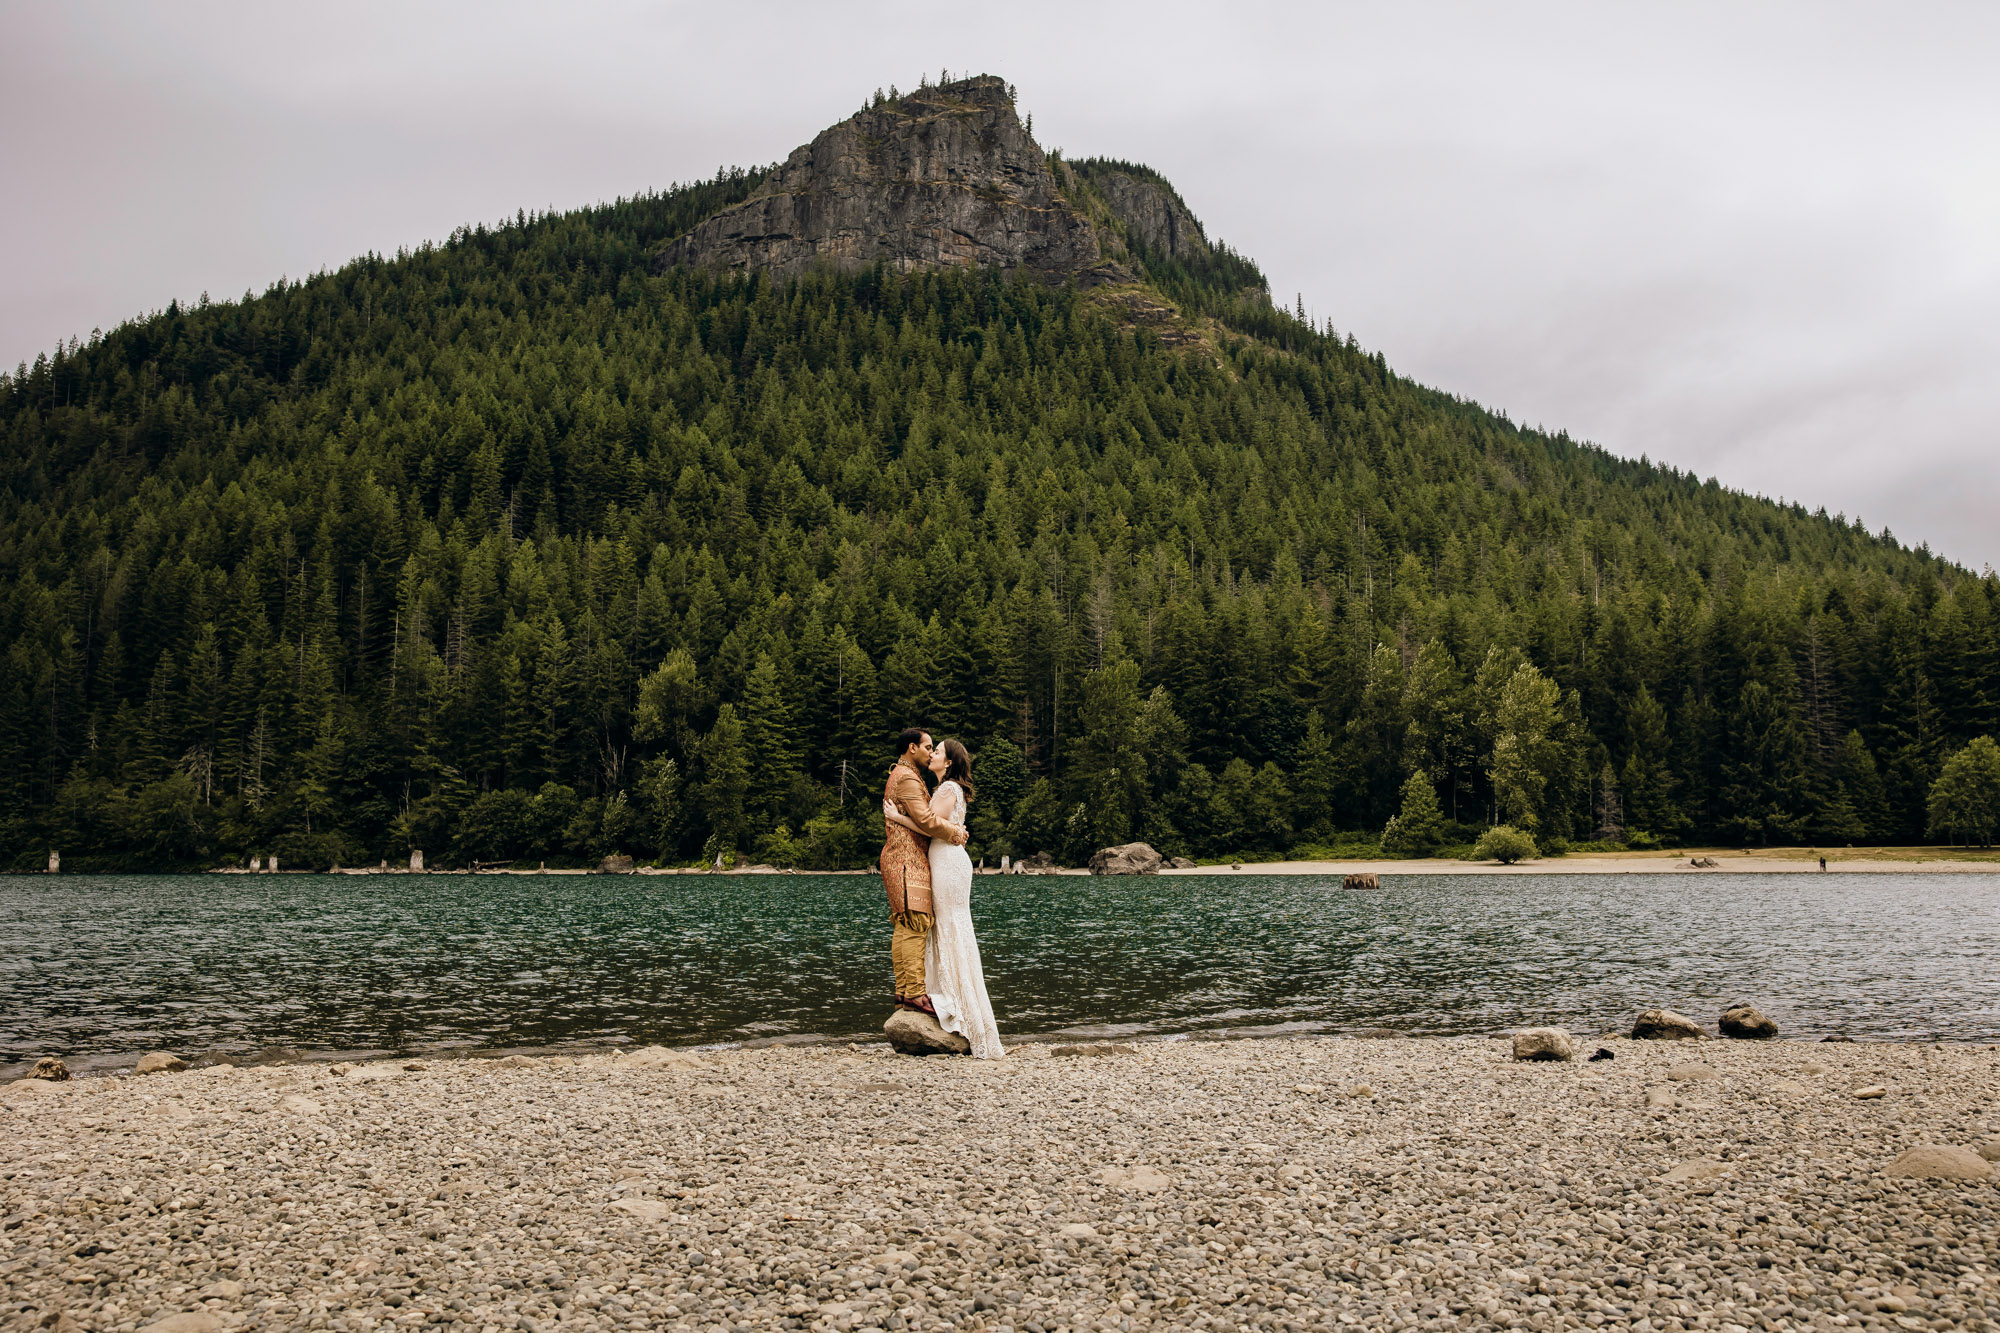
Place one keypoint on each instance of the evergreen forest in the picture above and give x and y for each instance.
(515, 548)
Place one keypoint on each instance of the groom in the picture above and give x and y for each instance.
(906, 867)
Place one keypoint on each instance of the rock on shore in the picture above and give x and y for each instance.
(1176, 1185)
(1665, 1025)
(1933, 1162)
(1544, 1044)
(1132, 858)
(916, 1033)
(1746, 1023)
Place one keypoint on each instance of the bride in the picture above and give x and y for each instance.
(956, 982)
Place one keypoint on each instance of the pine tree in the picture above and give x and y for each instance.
(1163, 740)
(725, 781)
(1416, 828)
(1648, 780)
(1108, 764)
(669, 697)
(1610, 806)
(769, 734)
(659, 798)
(1000, 777)
(1965, 799)
(1764, 787)
(1906, 734)
(1318, 779)
(1859, 786)
(1527, 752)
(1376, 735)
(1436, 740)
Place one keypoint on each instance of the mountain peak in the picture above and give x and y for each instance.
(946, 176)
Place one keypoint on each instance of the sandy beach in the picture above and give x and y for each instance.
(1243, 1185)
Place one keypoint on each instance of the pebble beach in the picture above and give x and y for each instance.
(1242, 1185)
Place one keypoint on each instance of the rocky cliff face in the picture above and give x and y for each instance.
(939, 178)
(1149, 209)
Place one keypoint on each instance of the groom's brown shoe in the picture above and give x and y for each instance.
(922, 1004)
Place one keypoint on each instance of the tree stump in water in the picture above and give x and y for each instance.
(1362, 882)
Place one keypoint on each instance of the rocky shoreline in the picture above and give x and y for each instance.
(1278, 1183)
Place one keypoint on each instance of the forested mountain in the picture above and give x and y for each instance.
(554, 540)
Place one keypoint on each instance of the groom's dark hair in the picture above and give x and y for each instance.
(910, 736)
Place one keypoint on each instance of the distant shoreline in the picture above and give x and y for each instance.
(1727, 861)
(1762, 861)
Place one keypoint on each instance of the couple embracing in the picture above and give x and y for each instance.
(929, 877)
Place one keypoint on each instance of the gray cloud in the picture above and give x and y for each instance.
(1761, 243)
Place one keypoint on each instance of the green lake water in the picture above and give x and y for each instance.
(99, 966)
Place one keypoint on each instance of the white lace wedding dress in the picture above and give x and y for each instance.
(956, 982)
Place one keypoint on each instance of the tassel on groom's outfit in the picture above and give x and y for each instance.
(906, 873)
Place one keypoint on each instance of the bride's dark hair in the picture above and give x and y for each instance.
(958, 767)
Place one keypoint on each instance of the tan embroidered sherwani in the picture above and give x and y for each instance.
(906, 874)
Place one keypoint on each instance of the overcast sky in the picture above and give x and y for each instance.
(1761, 242)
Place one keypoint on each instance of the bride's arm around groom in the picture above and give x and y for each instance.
(913, 800)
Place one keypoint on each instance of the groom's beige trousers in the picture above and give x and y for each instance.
(906, 952)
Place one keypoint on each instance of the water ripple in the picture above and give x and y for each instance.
(101, 965)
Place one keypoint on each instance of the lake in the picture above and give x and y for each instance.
(100, 966)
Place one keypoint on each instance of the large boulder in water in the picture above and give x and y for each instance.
(914, 1032)
(1133, 858)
